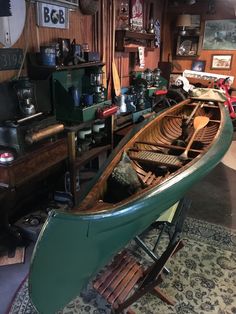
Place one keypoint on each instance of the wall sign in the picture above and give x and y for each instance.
(136, 20)
(50, 15)
(10, 58)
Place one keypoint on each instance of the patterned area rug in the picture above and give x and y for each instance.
(202, 277)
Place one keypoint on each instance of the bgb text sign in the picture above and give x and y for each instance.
(50, 15)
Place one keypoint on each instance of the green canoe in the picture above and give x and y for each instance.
(74, 245)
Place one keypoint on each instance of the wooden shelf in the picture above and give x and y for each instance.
(38, 71)
(128, 41)
(135, 49)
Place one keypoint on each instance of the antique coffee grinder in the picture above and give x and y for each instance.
(96, 79)
(26, 96)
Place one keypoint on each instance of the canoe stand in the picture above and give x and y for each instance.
(125, 280)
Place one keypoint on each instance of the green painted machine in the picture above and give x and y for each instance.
(78, 93)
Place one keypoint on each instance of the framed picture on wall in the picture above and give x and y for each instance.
(187, 46)
(198, 65)
(220, 35)
(221, 62)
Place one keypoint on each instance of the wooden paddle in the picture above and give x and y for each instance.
(198, 123)
(115, 75)
(104, 43)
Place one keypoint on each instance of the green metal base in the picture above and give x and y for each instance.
(80, 114)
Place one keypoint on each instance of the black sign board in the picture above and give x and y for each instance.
(10, 58)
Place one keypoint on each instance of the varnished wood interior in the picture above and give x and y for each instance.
(162, 136)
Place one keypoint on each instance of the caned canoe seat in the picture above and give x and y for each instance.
(153, 158)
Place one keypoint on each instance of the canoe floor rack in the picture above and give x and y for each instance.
(126, 280)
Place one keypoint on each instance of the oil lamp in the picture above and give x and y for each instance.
(26, 97)
(148, 76)
(156, 76)
(96, 79)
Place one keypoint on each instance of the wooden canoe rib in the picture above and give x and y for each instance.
(74, 245)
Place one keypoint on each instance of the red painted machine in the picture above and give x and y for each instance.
(225, 84)
(106, 111)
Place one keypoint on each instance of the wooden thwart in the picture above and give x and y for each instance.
(168, 146)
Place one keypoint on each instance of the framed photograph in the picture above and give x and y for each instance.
(220, 35)
(187, 46)
(198, 65)
(136, 14)
(195, 21)
(221, 62)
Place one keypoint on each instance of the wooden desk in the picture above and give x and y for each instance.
(33, 164)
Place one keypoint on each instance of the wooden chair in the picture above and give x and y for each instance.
(125, 280)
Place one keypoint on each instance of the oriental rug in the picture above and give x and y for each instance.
(202, 277)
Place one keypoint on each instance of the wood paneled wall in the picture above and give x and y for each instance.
(80, 28)
(223, 10)
(151, 57)
(87, 29)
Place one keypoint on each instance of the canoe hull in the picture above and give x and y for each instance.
(72, 248)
